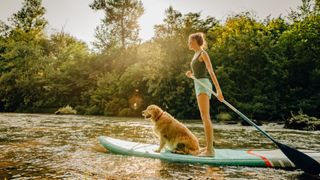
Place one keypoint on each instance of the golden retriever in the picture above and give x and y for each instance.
(172, 134)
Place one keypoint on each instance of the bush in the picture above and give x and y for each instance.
(302, 122)
(66, 110)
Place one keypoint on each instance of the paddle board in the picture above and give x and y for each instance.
(223, 157)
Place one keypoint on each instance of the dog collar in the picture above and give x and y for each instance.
(159, 116)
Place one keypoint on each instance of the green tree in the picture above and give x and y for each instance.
(30, 19)
(299, 46)
(67, 71)
(22, 56)
(120, 26)
(242, 49)
(307, 8)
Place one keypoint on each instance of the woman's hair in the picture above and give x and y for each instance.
(199, 37)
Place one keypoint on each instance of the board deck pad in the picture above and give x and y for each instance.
(223, 157)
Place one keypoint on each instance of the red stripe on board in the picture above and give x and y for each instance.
(266, 160)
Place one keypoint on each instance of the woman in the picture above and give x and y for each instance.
(201, 66)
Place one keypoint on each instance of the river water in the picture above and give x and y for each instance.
(46, 146)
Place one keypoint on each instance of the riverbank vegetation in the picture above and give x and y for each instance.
(266, 67)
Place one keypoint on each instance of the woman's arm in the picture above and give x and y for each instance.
(204, 56)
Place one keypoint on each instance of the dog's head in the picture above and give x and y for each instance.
(152, 112)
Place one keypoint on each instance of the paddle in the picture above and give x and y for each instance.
(301, 160)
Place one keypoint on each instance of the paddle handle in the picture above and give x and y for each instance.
(237, 111)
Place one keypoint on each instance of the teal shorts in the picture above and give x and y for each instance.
(200, 89)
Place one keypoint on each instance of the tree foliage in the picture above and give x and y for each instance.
(266, 68)
(120, 26)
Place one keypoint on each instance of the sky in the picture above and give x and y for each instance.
(78, 19)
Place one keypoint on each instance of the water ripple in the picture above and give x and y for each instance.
(45, 146)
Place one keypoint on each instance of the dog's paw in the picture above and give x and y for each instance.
(179, 152)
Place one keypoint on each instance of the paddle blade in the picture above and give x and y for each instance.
(301, 160)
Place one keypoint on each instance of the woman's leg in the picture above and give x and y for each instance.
(204, 107)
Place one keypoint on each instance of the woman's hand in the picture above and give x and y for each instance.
(220, 96)
(189, 74)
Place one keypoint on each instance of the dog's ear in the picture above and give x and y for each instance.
(156, 111)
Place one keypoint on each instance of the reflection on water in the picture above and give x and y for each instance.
(37, 146)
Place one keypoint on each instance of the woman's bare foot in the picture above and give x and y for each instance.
(206, 154)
